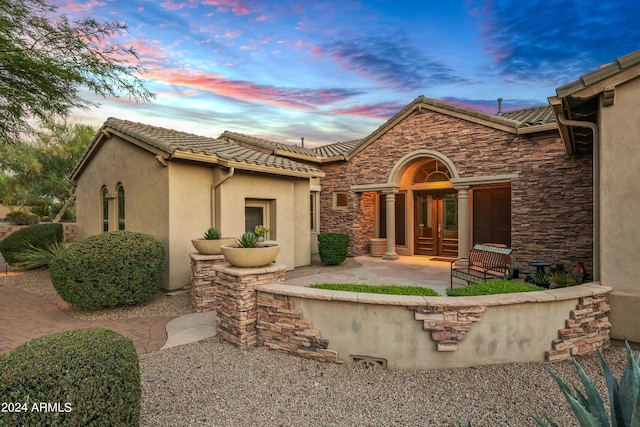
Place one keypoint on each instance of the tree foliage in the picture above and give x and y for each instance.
(46, 59)
(40, 168)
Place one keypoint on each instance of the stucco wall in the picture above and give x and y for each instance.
(434, 332)
(551, 197)
(145, 185)
(289, 212)
(619, 207)
(189, 215)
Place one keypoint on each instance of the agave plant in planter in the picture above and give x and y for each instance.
(248, 252)
(211, 242)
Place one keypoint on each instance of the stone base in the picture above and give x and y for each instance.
(203, 280)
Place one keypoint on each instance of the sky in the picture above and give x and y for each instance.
(334, 71)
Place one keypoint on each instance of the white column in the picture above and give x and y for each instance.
(463, 222)
(391, 227)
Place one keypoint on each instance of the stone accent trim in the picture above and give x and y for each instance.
(281, 327)
(586, 330)
(448, 325)
(236, 300)
(203, 288)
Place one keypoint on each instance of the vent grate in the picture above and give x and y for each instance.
(368, 361)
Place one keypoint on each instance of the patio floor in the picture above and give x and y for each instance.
(406, 270)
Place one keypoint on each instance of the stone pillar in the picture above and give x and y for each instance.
(203, 287)
(391, 254)
(236, 301)
(463, 222)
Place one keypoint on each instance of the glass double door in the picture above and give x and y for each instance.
(436, 223)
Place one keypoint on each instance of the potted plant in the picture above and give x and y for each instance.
(211, 242)
(248, 252)
(261, 231)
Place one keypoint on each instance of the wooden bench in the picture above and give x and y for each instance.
(484, 263)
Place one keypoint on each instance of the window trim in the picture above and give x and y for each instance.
(121, 219)
(336, 196)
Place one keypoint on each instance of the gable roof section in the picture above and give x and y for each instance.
(172, 144)
(528, 120)
(576, 104)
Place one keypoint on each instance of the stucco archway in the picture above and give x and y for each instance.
(398, 170)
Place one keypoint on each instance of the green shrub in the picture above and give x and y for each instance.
(377, 289)
(109, 269)
(22, 218)
(333, 247)
(40, 236)
(92, 375)
(623, 399)
(498, 286)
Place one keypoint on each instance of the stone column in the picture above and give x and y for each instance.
(203, 287)
(391, 254)
(463, 222)
(236, 300)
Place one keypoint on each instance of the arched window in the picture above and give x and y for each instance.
(120, 207)
(105, 209)
(432, 171)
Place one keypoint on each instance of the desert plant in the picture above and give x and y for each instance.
(333, 247)
(562, 280)
(261, 231)
(492, 287)
(623, 396)
(212, 234)
(22, 218)
(541, 279)
(92, 374)
(109, 269)
(248, 240)
(34, 257)
(39, 236)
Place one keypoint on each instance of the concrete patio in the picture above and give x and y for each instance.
(405, 271)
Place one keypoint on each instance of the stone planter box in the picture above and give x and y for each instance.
(251, 257)
(211, 247)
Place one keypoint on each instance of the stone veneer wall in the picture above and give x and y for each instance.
(203, 276)
(552, 201)
(68, 230)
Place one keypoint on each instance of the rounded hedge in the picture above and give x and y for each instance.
(109, 270)
(333, 247)
(41, 236)
(74, 378)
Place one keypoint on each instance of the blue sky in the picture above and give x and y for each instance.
(336, 70)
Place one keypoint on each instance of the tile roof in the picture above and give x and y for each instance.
(172, 142)
(337, 149)
(265, 144)
(532, 116)
(604, 72)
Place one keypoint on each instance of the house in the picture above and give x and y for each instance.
(598, 115)
(176, 185)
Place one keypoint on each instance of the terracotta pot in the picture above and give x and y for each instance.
(211, 247)
(251, 257)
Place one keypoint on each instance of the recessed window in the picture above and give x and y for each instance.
(432, 171)
(120, 207)
(105, 209)
(340, 200)
(313, 213)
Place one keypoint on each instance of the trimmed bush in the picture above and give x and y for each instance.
(333, 247)
(108, 270)
(40, 236)
(22, 218)
(86, 376)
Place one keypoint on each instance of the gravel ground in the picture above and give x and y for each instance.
(212, 383)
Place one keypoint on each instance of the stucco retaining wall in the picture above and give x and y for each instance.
(434, 332)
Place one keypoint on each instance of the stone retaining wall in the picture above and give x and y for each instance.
(68, 229)
(253, 307)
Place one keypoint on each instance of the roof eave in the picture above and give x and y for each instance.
(243, 165)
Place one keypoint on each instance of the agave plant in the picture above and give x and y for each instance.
(33, 257)
(248, 240)
(623, 397)
(212, 234)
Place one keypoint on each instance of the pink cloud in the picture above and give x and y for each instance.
(236, 6)
(299, 99)
(81, 6)
(178, 4)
